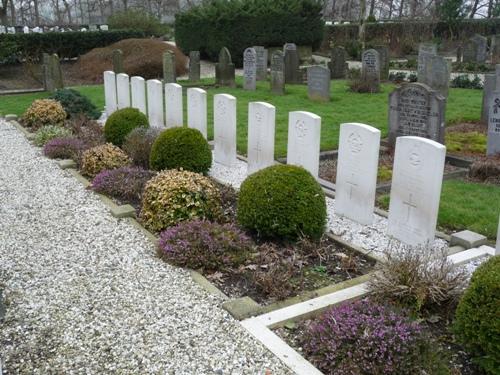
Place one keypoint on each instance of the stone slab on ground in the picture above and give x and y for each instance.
(468, 239)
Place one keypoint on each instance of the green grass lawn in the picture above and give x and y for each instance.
(345, 106)
(466, 205)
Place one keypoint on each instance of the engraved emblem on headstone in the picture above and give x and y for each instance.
(355, 142)
(301, 128)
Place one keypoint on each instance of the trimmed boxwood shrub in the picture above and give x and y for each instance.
(75, 103)
(282, 201)
(181, 148)
(477, 323)
(121, 123)
(237, 24)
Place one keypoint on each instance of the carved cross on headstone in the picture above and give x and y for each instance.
(409, 204)
(352, 185)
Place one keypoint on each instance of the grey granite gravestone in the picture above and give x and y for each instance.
(318, 83)
(425, 50)
(475, 50)
(489, 86)
(383, 52)
(493, 146)
(261, 63)
(118, 61)
(249, 69)
(169, 74)
(224, 69)
(436, 74)
(277, 73)
(416, 110)
(370, 67)
(292, 64)
(194, 66)
(338, 64)
(495, 49)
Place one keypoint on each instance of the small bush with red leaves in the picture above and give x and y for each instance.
(64, 148)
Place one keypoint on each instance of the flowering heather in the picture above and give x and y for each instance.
(365, 338)
(64, 148)
(125, 183)
(203, 244)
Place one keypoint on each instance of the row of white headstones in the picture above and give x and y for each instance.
(418, 162)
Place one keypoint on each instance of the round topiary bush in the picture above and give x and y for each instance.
(282, 201)
(43, 112)
(138, 144)
(477, 323)
(174, 196)
(75, 103)
(122, 122)
(99, 158)
(181, 147)
(203, 244)
(48, 132)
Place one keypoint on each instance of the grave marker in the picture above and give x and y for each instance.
(425, 50)
(318, 83)
(56, 72)
(357, 167)
(495, 49)
(493, 146)
(304, 133)
(155, 103)
(415, 109)
(292, 64)
(436, 74)
(123, 90)
(475, 50)
(261, 125)
(197, 110)
(370, 68)
(338, 64)
(48, 82)
(224, 69)
(118, 61)
(138, 85)
(261, 63)
(415, 190)
(104, 27)
(173, 105)
(194, 66)
(277, 73)
(249, 69)
(383, 52)
(169, 75)
(225, 129)
(110, 92)
(489, 86)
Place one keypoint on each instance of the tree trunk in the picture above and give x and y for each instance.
(68, 11)
(474, 9)
(391, 4)
(490, 8)
(372, 7)
(401, 7)
(12, 13)
(37, 13)
(362, 23)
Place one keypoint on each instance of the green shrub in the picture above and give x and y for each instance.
(139, 20)
(477, 323)
(282, 201)
(75, 103)
(138, 144)
(43, 112)
(121, 123)
(464, 82)
(48, 132)
(107, 156)
(181, 148)
(237, 24)
(174, 196)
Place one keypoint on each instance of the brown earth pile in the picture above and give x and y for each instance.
(141, 57)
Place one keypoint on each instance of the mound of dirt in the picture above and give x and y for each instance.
(141, 57)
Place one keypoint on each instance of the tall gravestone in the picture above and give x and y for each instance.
(249, 69)
(338, 63)
(370, 68)
(110, 92)
(318, 83)
(261, 124)
(123, 90)
(155, 103)
(118, 61)
(138, 89)
(197, 110)
(415, 109)
(224, 69)
(304, 134)
(383, 52)
(225, 129)
(173, 105)
(292, 64)
(493, 144)
(417, 177)
(436, 74)
(261, 62)
(425, 51)
(169, 74)
(277, 73)
(475, 50)
(48, 82)
(56, 72)
(357, 167)
(194, 66)
(489, 86)
(495, 49)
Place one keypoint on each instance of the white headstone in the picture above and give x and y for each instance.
(11, 30)
(197, 110)
(110, 92)
(104, 27)
(357, 167)
(261, 123)
(3, 30)
(83, 29)
(304, 134)
(139, 94)
(26, 30)
(173, 105)
(155, 103)
(225, 129)
(417, 177)
(123, 90)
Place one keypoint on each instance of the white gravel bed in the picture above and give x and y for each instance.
(233, 176)
(85, 293)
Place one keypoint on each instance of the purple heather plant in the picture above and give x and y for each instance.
(125, 183)
(202, 244)
(64, 148)
(363, 337)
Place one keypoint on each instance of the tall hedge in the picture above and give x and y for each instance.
(238, 24)
(66, 45)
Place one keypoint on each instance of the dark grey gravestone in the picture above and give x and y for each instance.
(224, 69)
(249, 69)
(277, 73)
(493, 147)
(56, 72)
(425, 50)
(169, 75)
(370, 67)
(292, 64)
(118, 61)
(436, 74)
(481, 48)
(338, 64)
(469, 52)
(318, 83)
(415, 109)
(489, 86)
(48, 82)
(194, 66)
(383, 52)
(261, 63)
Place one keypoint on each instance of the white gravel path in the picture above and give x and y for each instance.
(85, 293)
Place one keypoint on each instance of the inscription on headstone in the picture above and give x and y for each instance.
(304, 133)
(225, 129)
(261, 63)
(249, 69)
(370, 68)
(318, 83)
(194, 66)
(224, 69)
(277, 73)
(493, 146)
